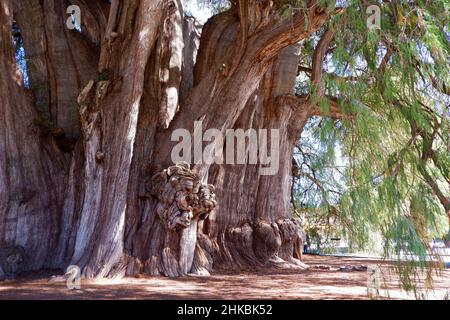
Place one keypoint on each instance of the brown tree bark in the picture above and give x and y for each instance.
(91, 186)
(32, 169)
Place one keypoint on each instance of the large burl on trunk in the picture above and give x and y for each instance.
(86, 176)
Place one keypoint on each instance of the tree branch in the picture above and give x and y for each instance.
(112, 20)
(445, 201)
(301, 104)
(292, 31)
(317, 85)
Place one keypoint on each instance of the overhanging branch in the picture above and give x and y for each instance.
(303, 104)
(292, 31)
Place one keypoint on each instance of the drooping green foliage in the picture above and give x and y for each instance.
(394, 82)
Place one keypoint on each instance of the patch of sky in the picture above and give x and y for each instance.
(21, 60)
(200, 11)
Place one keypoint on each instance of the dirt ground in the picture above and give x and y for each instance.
(310, 284)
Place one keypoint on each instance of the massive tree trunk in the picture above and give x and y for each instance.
(31, 167)
(256, 233)
(86, 174)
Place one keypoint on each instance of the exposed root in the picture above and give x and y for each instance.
(181, 200)
(291, 264)
(254, 245)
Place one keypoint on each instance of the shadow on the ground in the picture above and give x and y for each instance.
(262, 284)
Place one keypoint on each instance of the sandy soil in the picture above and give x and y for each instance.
(309, 284)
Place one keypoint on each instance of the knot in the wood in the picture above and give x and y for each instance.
(182, 197)
(99, 156)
